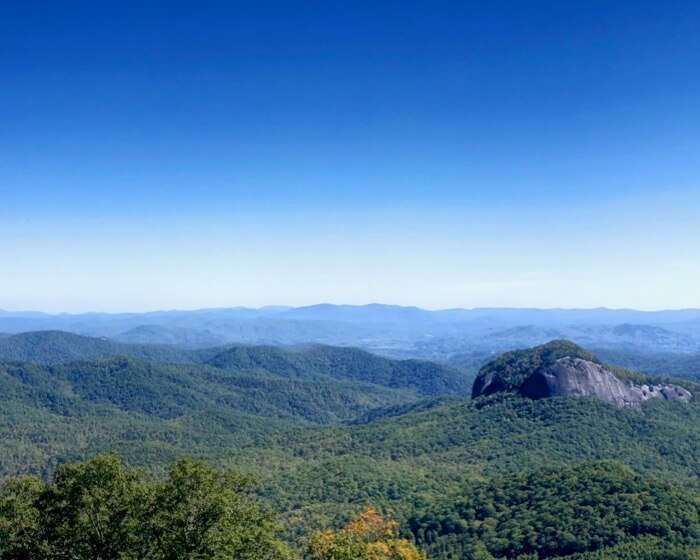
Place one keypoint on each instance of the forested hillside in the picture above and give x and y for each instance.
(329, 432)
(153, 411)
(426, 378)
(56, 347)
(415, 457)
(563, 512)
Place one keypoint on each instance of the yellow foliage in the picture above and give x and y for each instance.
(366, 537)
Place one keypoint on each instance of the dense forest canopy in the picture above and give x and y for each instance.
(559, 512)
(332, 434)
(102, 509)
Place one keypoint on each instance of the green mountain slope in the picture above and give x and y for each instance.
(351, 364)
(152, 411)
(403, 457)
(407, 459)
(420, 459)
(558, 513)
(425, 378)
(55, 347)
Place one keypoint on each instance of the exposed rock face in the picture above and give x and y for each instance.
(487, 384)
(574, 377)
(561, 368)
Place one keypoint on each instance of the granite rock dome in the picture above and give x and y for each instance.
(562, 369)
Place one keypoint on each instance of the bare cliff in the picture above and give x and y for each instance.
(574, 377)
(562, 369)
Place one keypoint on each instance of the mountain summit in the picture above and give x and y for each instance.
(562, 369)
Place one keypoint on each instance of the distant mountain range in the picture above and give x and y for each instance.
(451, 335)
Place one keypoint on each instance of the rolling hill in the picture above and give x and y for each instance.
(328, 431)
(83, 395)
(55, 347)
(407, 456)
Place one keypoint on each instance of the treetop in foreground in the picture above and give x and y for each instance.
(368, 536)
(103, 510)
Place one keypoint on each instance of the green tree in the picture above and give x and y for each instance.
(200, 512)
(92, 510)
(19, 518)
(103, 510)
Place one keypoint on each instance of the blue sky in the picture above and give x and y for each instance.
(442, 154)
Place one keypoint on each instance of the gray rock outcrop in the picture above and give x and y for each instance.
(575, 377)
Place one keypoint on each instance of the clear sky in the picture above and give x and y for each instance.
(442, 154)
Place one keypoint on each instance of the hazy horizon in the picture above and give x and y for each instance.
(283, 307)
